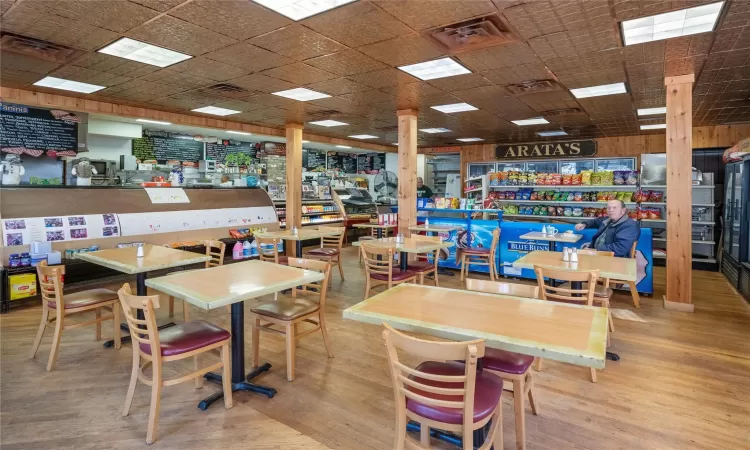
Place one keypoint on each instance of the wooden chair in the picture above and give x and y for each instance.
(268, 250)
(184, 340)
(480, 256)
(214, 249)
(373, 235)
(290, 313)
(330, 248)
(584, 296)
(444, 395)
(602, 292)
(379, 269)
(51, 284)
(631, 284)
(513, 368)
(502, 288)
(426, 263)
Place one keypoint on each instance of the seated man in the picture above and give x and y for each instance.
(616, 233)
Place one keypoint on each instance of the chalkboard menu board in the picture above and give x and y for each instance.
(218, 152)
(349, 163)
(314, 160)
(334, 160)
(35, 131)
(378, 161)
(163, 149)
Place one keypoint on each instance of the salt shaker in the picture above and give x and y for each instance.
(295, 231)
(139, 251)
(566, 254)
(574, 255)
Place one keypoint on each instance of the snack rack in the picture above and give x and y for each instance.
(477, 187)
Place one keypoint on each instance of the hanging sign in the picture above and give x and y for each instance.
(529, 150)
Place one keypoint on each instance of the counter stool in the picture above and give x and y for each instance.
(51, 284)
(479, 256)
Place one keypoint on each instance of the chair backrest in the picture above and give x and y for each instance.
(51, 284)
(215, 249)
(567, 294)
(502, 288)
(143, 331)
(495, 242)
(268, 249)
(593, 252)
(632, 249)
(407, 381)
(320, 287)
(333, 241)
(373, 265)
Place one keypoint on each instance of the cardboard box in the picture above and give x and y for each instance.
(22, 286)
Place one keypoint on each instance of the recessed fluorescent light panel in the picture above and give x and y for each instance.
(342, 146)
(215, 110)
(659, 126)
(439, 68)
(552, 133)
(652, 111)
(532, 121)
(684, 22)
(157, 122)
(454, 108)
(328, 123)
(239, 132)
(363, 136)
(305, 142)
(434, 130)
(301, 94)
(598, 91)
(144, 53)
(470, 139)
(394, 143)
(68, 85)
(301, 9)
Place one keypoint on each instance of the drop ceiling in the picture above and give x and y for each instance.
(242, 53)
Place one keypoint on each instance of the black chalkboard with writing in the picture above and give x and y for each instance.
(378, 161)
(163, 149)
(349, 162)
(315, 162)
(219, 151)
(38, 129)
(334, 160)
(364, 162)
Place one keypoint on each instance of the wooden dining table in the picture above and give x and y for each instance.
(126, 260)
(233, 284)
(575, 334)
(302, 234)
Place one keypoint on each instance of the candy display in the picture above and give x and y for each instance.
(603, 178)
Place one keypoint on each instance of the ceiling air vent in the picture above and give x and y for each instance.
(226, 90)
(37, 49)
(481, 32)
(534, 87)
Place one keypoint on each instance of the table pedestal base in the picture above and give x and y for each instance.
(479, 435)
(241, 386)
(613, 356)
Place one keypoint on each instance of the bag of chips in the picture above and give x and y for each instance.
(556, 179)
(525, 194)
(551, 211)
(510, 195)
(534, 196)
(619, 177)
(570, 196)
(601, 196)
(578, 196)
(654, 213)
(556, 196)
(502, 178)
(549, 196)
(568, 211)
(633, 214)
(655, 196)
(607, 178)
(643, 213)
(560, 211)
(586, 177)
(577, 211)
(567, 180)
(501, 195)
(541, 178)
(632, 178)
(596, 178)
(536, 210)
(576, 179)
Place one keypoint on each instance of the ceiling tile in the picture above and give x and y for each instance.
(403, 50)
(299, 74)
(518, 74)
(114, 15)
(248, 57)
(499, 57)
(89, 76)
(357, 24)
(338, 86)
(422, 14)
(159, 5)
(238, 19)
(346, 63)
(207, 68)
(262, 83)
(383, 78)
(457, 83)
(297, 42)
(178, 35)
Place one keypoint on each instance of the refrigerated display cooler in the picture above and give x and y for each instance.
(735, 262)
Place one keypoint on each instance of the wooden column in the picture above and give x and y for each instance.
(679, 192)
(407, 170)
(293, 180)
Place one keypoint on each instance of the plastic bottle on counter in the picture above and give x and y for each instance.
(237, 251)
(246, 249)
(25, 260)
(254, 248)
(14, 260)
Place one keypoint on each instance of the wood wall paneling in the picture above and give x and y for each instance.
(679, 144)
(407, 170)
(293, 179)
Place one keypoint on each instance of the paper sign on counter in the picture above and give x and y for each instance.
(167, 195)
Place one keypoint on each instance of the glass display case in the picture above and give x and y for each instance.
(477, 170)
(614, 164)
(542, 166)
(506, 167)
(736, 227)
(356, 203)
(576, 166)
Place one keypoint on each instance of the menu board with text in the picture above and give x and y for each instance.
(163, 149)
(314, 160)
(34, 131)
(219, 151)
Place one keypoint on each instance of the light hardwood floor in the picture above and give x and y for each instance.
(682, 383)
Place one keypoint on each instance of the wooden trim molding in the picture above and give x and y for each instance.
(678, 306)
(48, 100)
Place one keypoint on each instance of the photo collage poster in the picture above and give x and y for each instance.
(59, 228)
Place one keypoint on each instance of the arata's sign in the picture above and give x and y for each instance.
(564, 149)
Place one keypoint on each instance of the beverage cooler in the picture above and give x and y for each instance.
(736, 226)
